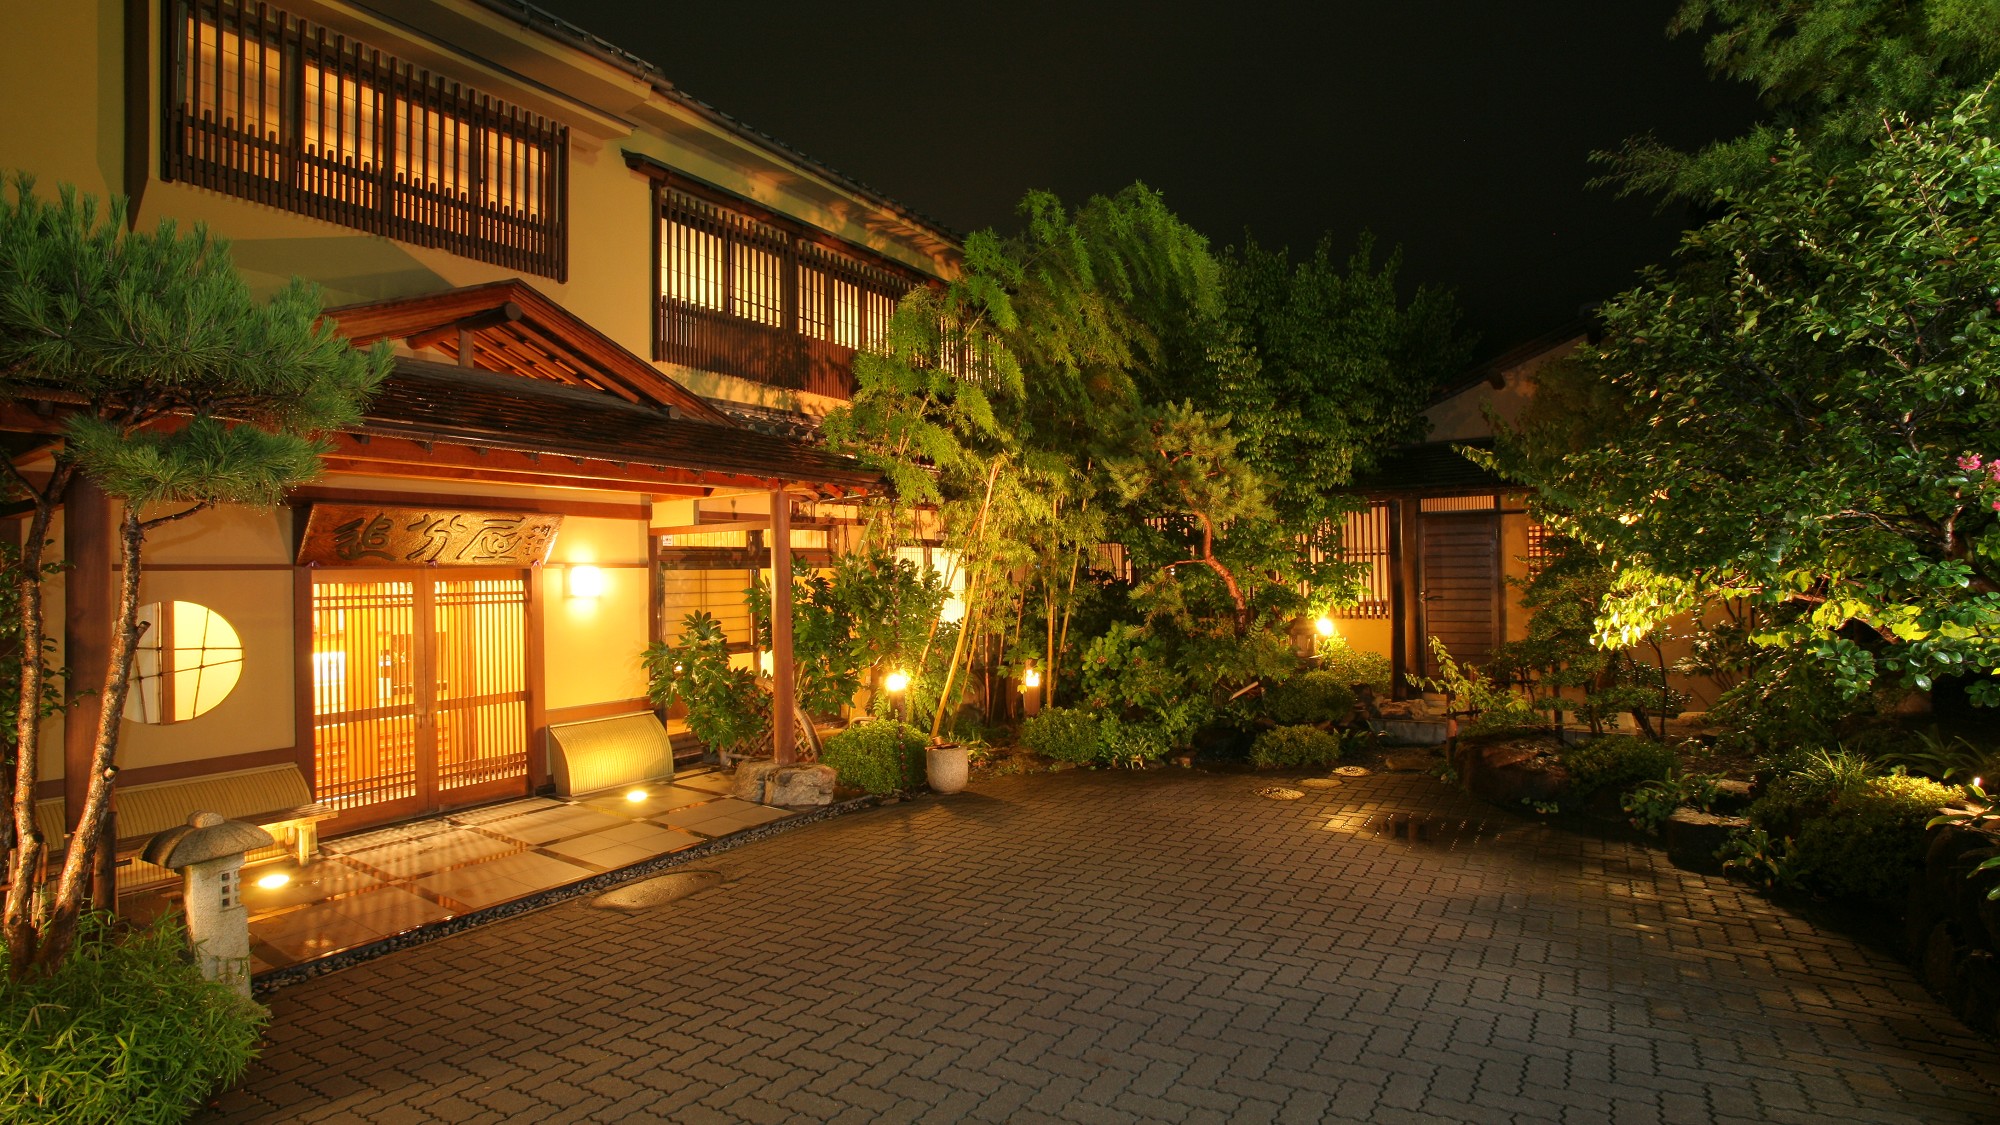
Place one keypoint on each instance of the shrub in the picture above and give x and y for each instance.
(1615, 763)
(1869, 842)
(126, 1031)
(1123, 741)
(1295, 746)
(1805, 784)
(879, 756)
(1315, 697)
(1355, 667)
(1650, 803)
(1063, 734)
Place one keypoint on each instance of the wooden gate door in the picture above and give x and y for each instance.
(419, 691)
(1461, 585)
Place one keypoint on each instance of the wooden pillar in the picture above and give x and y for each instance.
(784, 747)
(87, 613)
(1405, 647)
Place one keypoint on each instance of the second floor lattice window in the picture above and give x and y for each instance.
(742, 295)
(275, 109)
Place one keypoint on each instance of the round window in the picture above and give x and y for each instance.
(188, 660)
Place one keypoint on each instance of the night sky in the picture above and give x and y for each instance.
(1458, 130)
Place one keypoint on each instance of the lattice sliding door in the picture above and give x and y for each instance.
(366, 713)
(482, 684)
(420, 694)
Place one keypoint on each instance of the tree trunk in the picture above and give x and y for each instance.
(25, 913)
(73, 884)
(971, 598)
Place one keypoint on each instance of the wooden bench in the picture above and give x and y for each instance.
(599, 754)
(275, 798)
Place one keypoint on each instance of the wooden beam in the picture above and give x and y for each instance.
(554, 468)
(401, 470)
(507, 313)
(587, 508)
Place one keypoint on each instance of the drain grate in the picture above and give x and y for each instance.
(1417, 829)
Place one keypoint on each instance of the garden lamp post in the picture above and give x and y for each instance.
(897, 683)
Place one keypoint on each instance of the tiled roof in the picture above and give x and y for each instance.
(770, 420)
(434, 402)
(556, 27)
(1432, 467)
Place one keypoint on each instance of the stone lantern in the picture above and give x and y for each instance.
(208, 852)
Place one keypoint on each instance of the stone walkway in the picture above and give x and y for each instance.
(1161, 947)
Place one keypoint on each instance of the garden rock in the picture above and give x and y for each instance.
(1941, 953)
(1510, 774)
(752, 777)
(1413, 732)
(801, 785)
(1732, 796)
(1693, 838)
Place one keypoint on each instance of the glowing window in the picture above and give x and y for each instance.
(188, 660)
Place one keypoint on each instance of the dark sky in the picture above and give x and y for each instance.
(1458, 130)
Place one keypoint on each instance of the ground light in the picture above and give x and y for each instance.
(1031, 678)
(1325, 626)
(636, 796)
(273, 881)
(896, 681)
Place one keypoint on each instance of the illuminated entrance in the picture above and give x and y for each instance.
(420, 695)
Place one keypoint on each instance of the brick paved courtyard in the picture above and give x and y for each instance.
(1161, 947)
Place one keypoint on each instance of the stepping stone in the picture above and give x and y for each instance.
(1351, 771)
(1408, 763)
(1280, 793)
(1319, 783)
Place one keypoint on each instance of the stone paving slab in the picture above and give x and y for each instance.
(1160, 947)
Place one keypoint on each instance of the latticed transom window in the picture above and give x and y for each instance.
(272, 108)
(1542, 546)
(1364, 541)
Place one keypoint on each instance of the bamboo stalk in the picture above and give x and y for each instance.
(971, 596)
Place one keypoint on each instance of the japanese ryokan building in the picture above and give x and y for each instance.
(616, 312)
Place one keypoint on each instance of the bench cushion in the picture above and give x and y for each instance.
(603, 753)
(147, 810)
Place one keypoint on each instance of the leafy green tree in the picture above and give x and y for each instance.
(1804, 415)
(871, 612)
(178, 393)
(725, 707)
(1828, 72)
(1341, 368)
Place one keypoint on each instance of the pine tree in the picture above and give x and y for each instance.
(178, 392)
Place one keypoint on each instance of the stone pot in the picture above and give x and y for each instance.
(946, 767)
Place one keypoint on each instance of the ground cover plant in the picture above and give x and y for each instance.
(1305, 747)
(122, 1031)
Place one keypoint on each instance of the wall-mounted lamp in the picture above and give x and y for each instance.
(585, 582)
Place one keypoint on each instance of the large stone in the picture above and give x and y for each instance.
(801, 785)
(753, 776)
(1414, 732)
(1503, 774)
(1732, 796)
(1941, 954)
(1693, 838)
